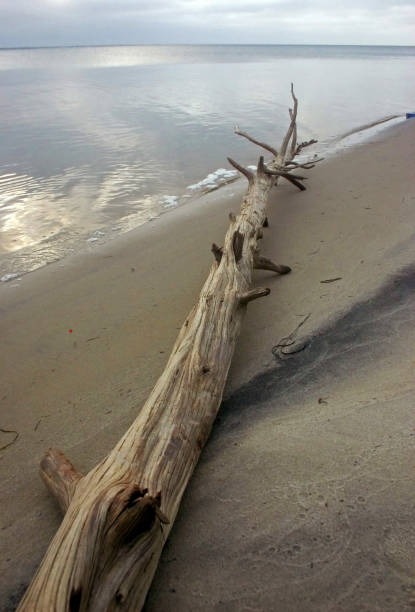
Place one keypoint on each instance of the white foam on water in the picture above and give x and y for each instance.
(214, 180)
(169, 201)
(95, 237)
(8, 277)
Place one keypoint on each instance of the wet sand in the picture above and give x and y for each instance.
(304, 496)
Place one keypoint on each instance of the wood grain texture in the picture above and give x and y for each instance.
(119, 515)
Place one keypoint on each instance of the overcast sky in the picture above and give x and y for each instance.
(83, 22)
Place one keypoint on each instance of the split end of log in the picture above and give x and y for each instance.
(60, 476)
(245, 298)
(265, 222)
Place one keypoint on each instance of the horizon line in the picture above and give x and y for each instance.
(98, 45)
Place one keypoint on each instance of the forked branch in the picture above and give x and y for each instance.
(294, 181)
(292, 127)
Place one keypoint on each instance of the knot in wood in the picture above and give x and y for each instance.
(237, 245)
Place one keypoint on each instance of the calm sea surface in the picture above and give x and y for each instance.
(97, 140)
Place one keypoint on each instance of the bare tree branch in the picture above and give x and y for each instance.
(285, 174)
(249, 175)
(290, 131)
(294, 181)
(262, 263)
(264, 145)
(306, 166)
(247, 297)
(304, 144)
(294, 136)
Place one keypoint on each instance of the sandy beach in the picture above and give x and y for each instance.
(304, 496)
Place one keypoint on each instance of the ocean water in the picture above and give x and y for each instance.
(97, 140)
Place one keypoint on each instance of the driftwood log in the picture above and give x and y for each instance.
(119, 515)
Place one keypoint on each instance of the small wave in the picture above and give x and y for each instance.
(221, 176)
(8, 277)
(354, 137)
(367, 126)
(95, 237)
(169, 201)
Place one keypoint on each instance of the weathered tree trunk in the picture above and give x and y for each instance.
(118, 517)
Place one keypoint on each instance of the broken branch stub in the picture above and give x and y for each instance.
(119, 515)
(217, 252)
(262, 263)
(254, 294)
(60, 476)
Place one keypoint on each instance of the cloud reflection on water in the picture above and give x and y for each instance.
(86, 149)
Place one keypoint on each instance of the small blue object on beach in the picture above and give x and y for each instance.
(410, 115)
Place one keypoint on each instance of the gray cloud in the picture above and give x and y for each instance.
(49, 22)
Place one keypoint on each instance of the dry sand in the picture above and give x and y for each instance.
(304, 497)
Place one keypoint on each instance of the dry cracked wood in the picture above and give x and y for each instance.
(118, 516)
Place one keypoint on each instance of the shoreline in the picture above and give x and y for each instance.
(19, 263)
(124, 303)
